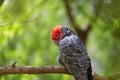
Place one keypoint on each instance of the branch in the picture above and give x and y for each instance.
(81, 33)
(69, 14)
(45, 70)
(1, 2)
(32, 70)
(37, 70)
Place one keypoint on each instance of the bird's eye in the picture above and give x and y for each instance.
(56, 36)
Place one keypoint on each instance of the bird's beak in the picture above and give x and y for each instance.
(56, 42)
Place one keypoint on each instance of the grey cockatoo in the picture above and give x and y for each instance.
(72, 53)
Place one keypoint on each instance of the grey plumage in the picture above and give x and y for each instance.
(73, 55)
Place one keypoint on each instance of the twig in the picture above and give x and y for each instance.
(14, 64)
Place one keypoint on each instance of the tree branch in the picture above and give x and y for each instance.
(37, 70)
(81, 33)
(1, 2)
(32, 70)
(45, 70)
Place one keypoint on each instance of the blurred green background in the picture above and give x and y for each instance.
(25, 27)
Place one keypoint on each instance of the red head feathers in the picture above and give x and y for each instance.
(56, 33)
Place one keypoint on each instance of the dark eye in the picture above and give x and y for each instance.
(56, 35)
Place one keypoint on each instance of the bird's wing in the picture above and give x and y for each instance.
(59, 60)
(74, 56)
(73, 45)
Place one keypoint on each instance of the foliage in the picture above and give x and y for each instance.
(106, 39)
(25, 33)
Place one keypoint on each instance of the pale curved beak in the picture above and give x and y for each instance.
(56, 43)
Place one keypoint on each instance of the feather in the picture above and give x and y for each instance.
(74, 56)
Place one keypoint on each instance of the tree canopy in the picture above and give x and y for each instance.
(25, 33)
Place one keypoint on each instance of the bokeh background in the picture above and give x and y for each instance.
(25, 27)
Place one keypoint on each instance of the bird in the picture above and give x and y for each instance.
(72, 53)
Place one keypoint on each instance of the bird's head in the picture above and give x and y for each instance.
(59, 32)
(56, 34)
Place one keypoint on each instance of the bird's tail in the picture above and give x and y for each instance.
(81, 78)
(85, 77)
(89, 73)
